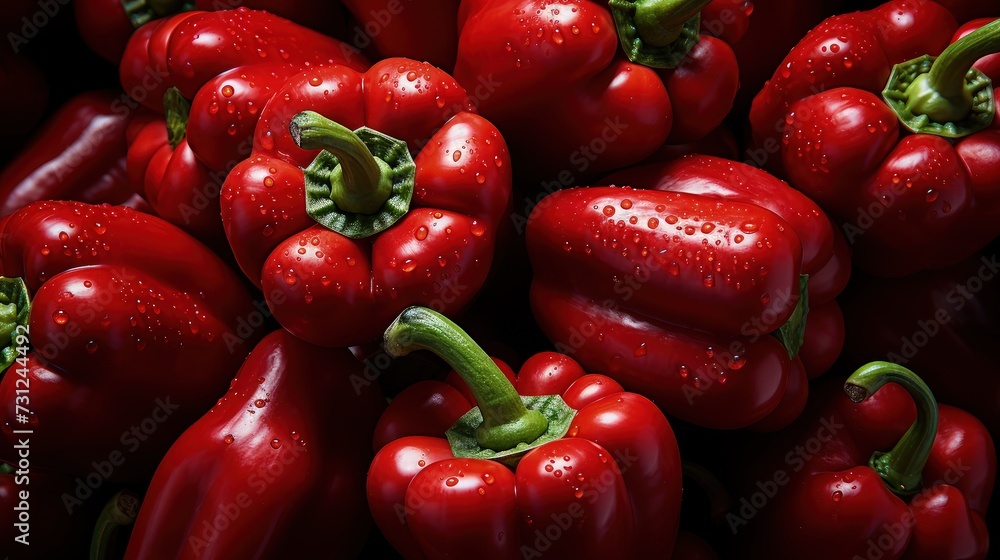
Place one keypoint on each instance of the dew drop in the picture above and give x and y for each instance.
(227, 91)
(275, 443)
(837, 496)
(421, 233)
(228, 439)
(451, 481)
(60, 317)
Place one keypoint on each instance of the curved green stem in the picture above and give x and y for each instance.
(506, 421)
(941, 94)
(363, 183)
(15, 308)
(944, 95)
(120, 511)
(902, 467)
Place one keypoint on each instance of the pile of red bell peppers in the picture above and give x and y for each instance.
(505, 279)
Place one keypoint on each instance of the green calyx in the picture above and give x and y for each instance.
(504, 426)
(902, 467)
(657, 33)
(362, 181)
(944, 95)
(15, 307)
(120, 511)
(140, 12)
(793, 332)
(177, 111)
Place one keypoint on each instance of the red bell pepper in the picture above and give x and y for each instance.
(931, 321)
(924, 498)
(426, 31)
(77, 154)
(341, 247)
(189, 49)
(558, 63)
(135, 329)
(180, 161)
(107, 25)
(552, 463)
(274, 470)
(672, 294)
(907, 201)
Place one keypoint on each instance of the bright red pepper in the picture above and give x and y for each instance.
(558, 62)
(189, 49)
(107, 25)
(907, 202)
(337, 267)
(77, 154)
(275, 470)
(924, 498)
(512, 485)
(135, 329)
(672, 294)
(180, 161)
(931, 321)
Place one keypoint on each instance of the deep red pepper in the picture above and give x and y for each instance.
(558, 61)
(122, 304)
(77, 154)
(615, 476)
(672, 294)
(923, 499)
(931, 321)
(338, 277)
(907, 202)
(275, 470)
(393, 28)
(34, 519)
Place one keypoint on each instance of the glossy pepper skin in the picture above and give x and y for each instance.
(670, 293)
(906, 201)
(599, 110)
(77, 154)
(210, 112)
(324, 285)
(853, 496)
(823, 247)
(615, 475)
(120, 304)
(931, 321)
(282, 457)
(187, 50)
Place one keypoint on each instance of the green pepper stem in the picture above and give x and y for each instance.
(659, 22)
(15, 309)
(177, 111)
(942, 94)
(902, 467)
(506, 421)
(120, 511)
(361, 182)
